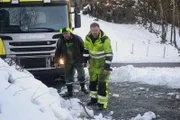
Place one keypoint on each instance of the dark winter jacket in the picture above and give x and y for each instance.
(78, 47)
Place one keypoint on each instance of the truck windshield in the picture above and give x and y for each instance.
(33, 19)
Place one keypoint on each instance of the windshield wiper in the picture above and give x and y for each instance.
(43, 28)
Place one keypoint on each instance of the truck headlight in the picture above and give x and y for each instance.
(61, 61)
(2, 48)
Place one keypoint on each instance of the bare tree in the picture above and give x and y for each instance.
(163, 25)
(173, 29)
(178, 14)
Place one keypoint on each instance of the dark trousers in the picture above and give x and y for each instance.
(70, 71)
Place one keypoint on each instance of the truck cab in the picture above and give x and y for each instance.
(29, 31)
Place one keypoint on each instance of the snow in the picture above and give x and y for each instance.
(133, 43)
(155, 76)
(115, 95)
(147, 116)
(25, 98)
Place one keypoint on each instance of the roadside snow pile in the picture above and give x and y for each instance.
(147, 116)
(25, 98)
(169, 77)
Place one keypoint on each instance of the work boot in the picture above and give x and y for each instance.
(69, 92)
(101, 106)
(93, 101)
(83, 88)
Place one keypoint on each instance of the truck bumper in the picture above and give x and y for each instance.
(48, 72)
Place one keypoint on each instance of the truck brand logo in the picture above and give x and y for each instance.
(48, 42)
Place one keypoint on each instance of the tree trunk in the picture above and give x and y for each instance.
(77, 3)
(174, 22)
(163, 34)
(178, 18)
(171, 34)
(151, 19)
(144, 19)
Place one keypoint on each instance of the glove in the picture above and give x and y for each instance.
(56, 65)
(84, 64)
(105, 72)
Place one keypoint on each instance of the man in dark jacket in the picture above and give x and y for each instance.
(70, 47)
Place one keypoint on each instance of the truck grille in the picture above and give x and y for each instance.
(32, 46)
(34, 54)
(32, 49)
(32, 43)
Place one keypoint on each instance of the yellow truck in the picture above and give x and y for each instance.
(29, 30)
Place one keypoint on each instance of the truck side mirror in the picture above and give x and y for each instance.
(77, 20)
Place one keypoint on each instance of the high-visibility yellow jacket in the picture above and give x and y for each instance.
(99, 49)
(2, 49)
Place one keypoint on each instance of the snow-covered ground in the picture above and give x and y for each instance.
(133, 43)
(169, 77)
(25, 98)
(22, 97)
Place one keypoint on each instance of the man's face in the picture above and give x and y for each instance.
(67, 35)
(95, 31)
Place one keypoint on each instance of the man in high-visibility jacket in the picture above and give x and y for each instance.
(98, 51)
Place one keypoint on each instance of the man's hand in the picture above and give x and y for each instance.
(105, 72)
(56, 65)
(84, 64)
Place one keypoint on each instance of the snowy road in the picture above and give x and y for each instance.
(131, 99)
(137, 98)
(148, 64)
